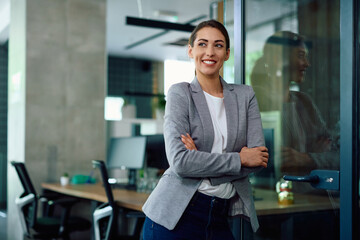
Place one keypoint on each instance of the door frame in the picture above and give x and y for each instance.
(349, 106)
(349, 119)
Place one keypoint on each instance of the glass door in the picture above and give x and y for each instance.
(300, 66)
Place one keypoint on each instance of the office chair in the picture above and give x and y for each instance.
(47, 226)
(105, 216)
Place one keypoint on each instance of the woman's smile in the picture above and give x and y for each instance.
(209, 62)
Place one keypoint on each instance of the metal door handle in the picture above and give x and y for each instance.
(308, 178)
(321, 179)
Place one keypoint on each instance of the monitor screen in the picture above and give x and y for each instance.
(127, 152)
(155, 152)
(269, 143)
(265, 178)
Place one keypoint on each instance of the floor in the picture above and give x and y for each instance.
(3, 225)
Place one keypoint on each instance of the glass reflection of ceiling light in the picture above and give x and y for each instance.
(112, 180)
(170, 16)
(294, 87)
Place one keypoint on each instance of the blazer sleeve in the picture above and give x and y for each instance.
(191, 163)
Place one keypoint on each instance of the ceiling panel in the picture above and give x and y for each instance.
(120, 35)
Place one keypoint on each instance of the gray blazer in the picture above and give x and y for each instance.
(187, 112)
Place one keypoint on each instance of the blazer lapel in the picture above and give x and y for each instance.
(232, 114)
(204, 113)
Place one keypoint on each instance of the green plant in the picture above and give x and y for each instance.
(65, 174)
(126, 101)
(161, 102)
(158, 103)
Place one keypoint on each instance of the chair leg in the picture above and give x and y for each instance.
(138, 227)
(48, 210)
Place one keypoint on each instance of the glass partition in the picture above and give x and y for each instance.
(292, 61)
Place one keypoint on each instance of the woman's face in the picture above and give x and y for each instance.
(299, 63)
(209, 52)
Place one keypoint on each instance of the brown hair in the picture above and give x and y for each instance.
(210, 23)
(285, 40)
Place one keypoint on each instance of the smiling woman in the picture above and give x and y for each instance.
(209, 46)
(209, 51)
(209, 155)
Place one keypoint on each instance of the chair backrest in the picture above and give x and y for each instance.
(27, 202)
(24, 177)
(112, 223)
(105, 178)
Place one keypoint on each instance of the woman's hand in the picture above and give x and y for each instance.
(254, 157)
(188, 142)
(250, 157)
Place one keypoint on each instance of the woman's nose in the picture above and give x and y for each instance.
(210, 51)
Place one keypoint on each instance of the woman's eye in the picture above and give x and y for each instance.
(219, 45)
(202, 44)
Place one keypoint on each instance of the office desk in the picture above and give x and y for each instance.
(96, 192)
(266, 205)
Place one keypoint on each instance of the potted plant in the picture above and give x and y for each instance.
(128, 110)
(159, 106)
(64, 179)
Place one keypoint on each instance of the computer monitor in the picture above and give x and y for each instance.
(155, 152)
(128, 153)
(265, 178)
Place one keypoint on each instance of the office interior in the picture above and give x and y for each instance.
(61, 61)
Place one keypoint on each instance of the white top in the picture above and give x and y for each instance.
(218, 117)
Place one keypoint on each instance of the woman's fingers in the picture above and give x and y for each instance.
(253, 157)
(265, 154)
(262, 149)
(264, 164)
(188, 142)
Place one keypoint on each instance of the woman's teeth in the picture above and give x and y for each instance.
(209, 62)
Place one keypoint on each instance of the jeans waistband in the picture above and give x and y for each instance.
(210, 200)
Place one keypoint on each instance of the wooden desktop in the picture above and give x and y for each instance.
(125, 198)
(266, 204)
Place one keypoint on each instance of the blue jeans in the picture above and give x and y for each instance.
(204, 218)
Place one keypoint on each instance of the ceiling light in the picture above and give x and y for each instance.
(170, 16)
(180, 42)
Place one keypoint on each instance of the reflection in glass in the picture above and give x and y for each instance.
(292, 62)
(306, 143)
